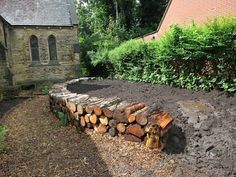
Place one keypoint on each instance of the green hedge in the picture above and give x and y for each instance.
(189, 57)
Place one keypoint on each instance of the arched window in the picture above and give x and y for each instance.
(34, 46)
(52, 48)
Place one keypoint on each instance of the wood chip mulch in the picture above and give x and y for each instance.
(39, 146)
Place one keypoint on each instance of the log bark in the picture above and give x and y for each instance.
(63, 99)
(132, 138)
(120, 117)
(112, 132)
(119, 114)
(109, 102)
(93, 119)
(107, 112)
(152, 109)
(82, 121)
(121, 128)
(134, 108)
(163, 119)
(112, 123)
(94, 100)
(104, 120)
(91, 102)
(79, 98)
(135, 130)
(141, 120)
(132, 117)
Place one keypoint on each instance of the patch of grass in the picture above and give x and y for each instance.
(3, 146)
(63, 118)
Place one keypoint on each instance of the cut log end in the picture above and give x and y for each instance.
(112, 132)
(101, 129)
(93, 119)
(104, 120)
(135, 130)
(89, 109)
(97, 110)
(121, 128)
(107, 112)
(82, 121)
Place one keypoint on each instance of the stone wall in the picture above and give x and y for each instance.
(21, 67)
(4, 80)
(1, 32)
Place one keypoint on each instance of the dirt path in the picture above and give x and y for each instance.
(38, 146)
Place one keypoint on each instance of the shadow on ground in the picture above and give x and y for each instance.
(176, 142)
(8, 105)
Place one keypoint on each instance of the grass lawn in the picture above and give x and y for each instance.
(2, 139)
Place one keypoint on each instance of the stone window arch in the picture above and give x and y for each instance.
(34, 47)
(52, 48)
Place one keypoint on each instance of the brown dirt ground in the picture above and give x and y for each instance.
(203, 140)
(39, 146)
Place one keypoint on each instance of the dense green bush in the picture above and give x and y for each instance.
(189, 57)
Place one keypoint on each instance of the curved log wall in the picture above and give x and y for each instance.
(135, 121)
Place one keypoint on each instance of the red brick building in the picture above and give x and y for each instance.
(184, 12)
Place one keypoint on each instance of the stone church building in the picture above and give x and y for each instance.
(38, 41)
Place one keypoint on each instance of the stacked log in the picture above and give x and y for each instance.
(110, 115)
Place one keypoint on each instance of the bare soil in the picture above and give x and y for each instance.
(203, 140)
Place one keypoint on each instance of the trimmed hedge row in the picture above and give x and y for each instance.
(189, 57)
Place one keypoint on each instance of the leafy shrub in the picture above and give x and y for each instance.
(194, 57)
(63, 118)
(3, 145)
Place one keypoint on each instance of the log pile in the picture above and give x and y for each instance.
(135, 121)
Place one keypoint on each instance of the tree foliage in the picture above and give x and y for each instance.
(194, 57)
(104, 24)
